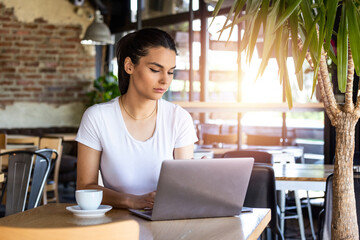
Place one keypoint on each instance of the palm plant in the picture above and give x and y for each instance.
(308, 25)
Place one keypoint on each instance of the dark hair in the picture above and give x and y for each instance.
(136, 45)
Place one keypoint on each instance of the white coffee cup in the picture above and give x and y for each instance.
(89, 199)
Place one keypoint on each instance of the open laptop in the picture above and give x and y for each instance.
(200, 188)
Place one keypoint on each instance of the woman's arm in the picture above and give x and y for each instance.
(88, 166)
(186, 152)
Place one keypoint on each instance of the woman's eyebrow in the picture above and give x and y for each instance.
(159, 65)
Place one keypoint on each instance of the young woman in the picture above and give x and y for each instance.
(128, 137)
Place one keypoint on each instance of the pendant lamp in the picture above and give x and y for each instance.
(97, 33)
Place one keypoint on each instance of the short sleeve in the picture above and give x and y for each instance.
(185, 131)
(89, 133)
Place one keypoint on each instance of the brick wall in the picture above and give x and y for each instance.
(42, 62)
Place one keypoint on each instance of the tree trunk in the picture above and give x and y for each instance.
(344, 219)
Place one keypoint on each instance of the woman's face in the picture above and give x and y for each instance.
(153, 74)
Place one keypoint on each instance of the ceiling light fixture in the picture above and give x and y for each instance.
(97, 33)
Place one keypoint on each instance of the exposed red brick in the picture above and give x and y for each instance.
(4, 57)
(5, 19)
(33, 89)
(30, 26)
(68, 46)
(8, 12)
(25, 58)
(48, 70)
(9, 63)
(31, 64)
(22, 95)
(50, 27)
(10, 50)
(33, 76)
(73, 27)
(13, 89)
(2, 5)
(72, 40)
(23, 44)
(7, 70)
(5, 44)
(66, 59)
(27, 51)
(21, 32)
(27, 70)
(67, 70)
(25, 82)
(65, 94)
(73, 65)
(40, 20)
(50, 77)
(12, 76)
(32, 39)
(4, 31)
(6, 82)
(55, 40)
(11, 25)
(71, 52)
(52, 52)
(45, 33)
(11, 38)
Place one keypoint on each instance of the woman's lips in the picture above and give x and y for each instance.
(159, 90)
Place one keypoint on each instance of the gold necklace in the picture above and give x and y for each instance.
(130, 115)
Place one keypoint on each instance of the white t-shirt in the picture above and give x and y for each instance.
(129, 165)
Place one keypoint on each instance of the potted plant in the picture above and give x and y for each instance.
(105, 89)
(308, 25)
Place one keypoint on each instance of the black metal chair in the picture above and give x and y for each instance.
(261, 193)
(23, 170)
(259, 156)
(324, 223)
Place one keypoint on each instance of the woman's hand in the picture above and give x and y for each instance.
(142, 201)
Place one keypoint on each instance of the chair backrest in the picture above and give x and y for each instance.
(325, 225)
(2, 140)
(19, 174)
(122, 230)
(262, 140)
(259, 156)
(219, 138)
(261, 193)
(40, 175)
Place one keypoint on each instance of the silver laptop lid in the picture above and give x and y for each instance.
(201, 188)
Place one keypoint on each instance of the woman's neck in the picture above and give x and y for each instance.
(137, 108)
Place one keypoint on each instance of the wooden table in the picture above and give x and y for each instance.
(245, 226)
(310, 177)
(22, 139)
(302, 176)
(64, 136)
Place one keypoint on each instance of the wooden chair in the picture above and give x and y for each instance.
(2, 140)
(21, 169)
(123, 230)
(261, 140)
(23, 140)
(220, 138)
(52, 184)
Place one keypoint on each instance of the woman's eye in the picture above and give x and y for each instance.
(171, 73)
(153, 70)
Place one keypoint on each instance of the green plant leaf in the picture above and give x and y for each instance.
(286, 14)
(354, 32)
(342, 51)
(269, 38)
(308, 41)
(331, 7)
(293, 23)
(216, 10)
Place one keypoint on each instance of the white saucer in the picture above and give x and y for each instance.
(77, 211)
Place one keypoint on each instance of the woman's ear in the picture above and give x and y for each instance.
(128, 65)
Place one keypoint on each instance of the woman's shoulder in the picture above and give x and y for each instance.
(172, 108)
(102, 107)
